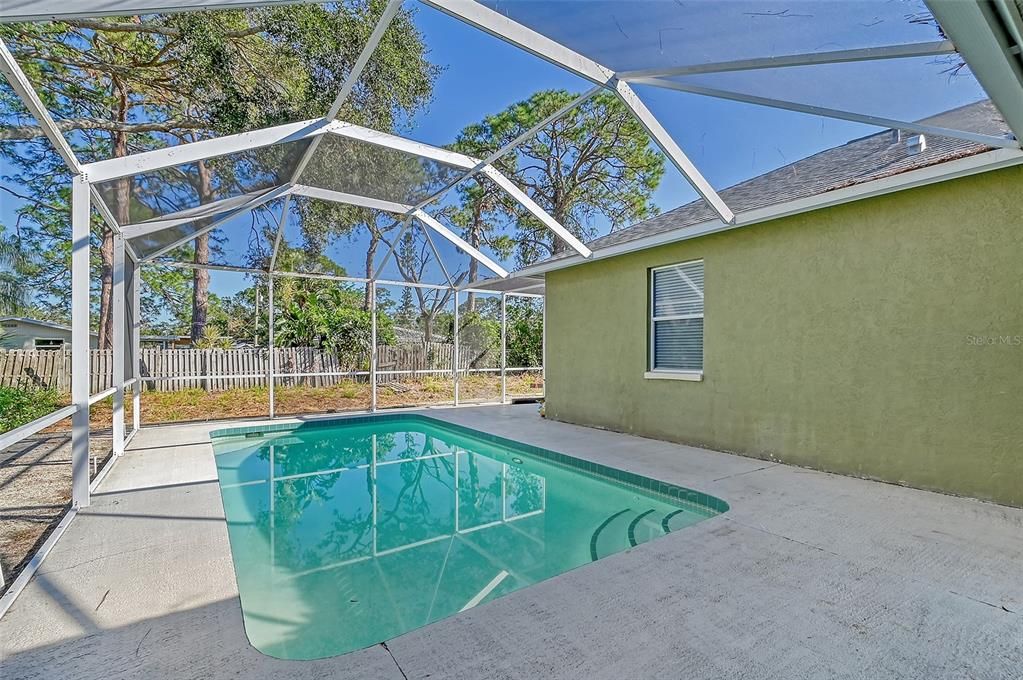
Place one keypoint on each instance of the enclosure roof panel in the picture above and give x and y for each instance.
(627, 35)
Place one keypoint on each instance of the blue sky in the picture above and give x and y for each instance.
(727, 141)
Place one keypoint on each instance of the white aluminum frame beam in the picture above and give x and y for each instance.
(119, 341)
(350, 80)
(248, 207)
(55, 10)
(535, 210)
(674, 152)
(80, 381)
(281, 224)
(23, 88)
(401, 209)
(459, 242)
(440, 260)
(528, 134)
(985, 34)
(877, 121)
(500, 26)
(350, 199)
(927, 49)
(136, 345)
(405, 224)
(115, 168)
(409, 146)
(199, 212)
(182, 154)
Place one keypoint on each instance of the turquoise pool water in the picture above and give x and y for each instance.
(349, 532)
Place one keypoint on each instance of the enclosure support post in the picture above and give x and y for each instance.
(504, 348)
(119, 337)
(543, 347)
(136, 347)
(373, 352)
(80, 213)
(271, 370)
(454, 351)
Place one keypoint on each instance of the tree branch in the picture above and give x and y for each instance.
(23, 132)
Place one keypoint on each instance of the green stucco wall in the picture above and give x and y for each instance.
(852, 339)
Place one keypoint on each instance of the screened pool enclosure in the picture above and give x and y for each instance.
(811, 60)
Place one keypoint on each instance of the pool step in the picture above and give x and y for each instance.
(627, 528)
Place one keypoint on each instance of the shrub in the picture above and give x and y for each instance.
(20, 405)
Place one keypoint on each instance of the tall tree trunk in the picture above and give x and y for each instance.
(201, 277)
(475, 232)
(559, 245)
(371, 254)
(122, 213)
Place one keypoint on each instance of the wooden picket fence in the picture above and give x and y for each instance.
(169, 370)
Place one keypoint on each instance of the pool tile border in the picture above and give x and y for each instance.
(671, 492)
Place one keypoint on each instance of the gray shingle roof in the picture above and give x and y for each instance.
(855, 162)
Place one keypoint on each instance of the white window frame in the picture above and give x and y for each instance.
(664, 373)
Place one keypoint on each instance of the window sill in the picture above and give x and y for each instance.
(691, 376)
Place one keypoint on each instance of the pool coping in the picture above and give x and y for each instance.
(672, 493)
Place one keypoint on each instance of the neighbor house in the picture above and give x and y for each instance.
(868, 321)
(18, 332)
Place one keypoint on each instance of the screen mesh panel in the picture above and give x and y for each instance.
(356, 167)
(162, 193)
(626, 35)
(908, 90)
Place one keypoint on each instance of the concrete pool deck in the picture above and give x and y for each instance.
(809, 575)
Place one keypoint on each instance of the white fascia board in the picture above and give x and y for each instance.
(181, 154)
(351, 199)
(963, 167)
(55, 10)
(500, 26)
(926, 49)
(877, 121)
(459, 242)
(23, 88)
(408, 146)
(535, 210)
(988, 48)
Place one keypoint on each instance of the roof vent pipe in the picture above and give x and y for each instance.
(915, 144)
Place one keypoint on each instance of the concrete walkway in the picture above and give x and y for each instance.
(809, 575)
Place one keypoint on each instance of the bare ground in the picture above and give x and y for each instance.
(253, 402)
(35, 492)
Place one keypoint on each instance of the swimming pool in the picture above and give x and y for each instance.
(348, 532)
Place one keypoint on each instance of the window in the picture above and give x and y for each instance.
(48, 343)
(676, 321)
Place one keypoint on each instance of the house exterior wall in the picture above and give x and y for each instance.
(881, 338)
(19, 334)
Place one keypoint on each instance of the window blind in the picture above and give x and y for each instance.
(676, 332)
